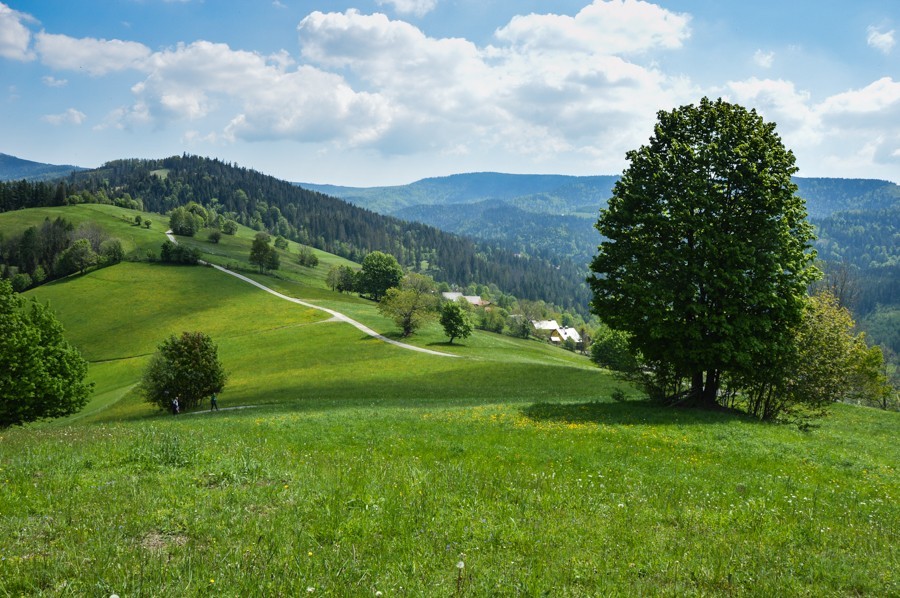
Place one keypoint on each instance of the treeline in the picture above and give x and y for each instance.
(265, 203)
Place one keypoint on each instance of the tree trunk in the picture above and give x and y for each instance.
(711, 390)
(697, 386)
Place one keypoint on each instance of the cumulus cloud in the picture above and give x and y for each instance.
(50, 81)
(94, 56)
(14, 35)
(764, 59)
(410, 7)
(586, 87)
(849, 130)
(603, 27)
(549, 84)
(881, 41)
(69, 117)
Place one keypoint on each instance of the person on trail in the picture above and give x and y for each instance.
(213, 403)
(175, 407)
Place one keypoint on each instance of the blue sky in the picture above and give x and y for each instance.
(389, 91)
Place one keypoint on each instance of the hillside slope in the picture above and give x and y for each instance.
(333, 225)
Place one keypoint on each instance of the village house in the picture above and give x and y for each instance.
(473, 300)
(558, 334)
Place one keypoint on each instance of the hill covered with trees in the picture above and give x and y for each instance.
(312, 218)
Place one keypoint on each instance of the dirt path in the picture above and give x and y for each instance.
(334, 314)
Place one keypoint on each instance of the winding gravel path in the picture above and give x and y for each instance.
(334, 314)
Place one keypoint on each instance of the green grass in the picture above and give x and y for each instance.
(118, 222)
(359, 467)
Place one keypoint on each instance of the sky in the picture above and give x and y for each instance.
(385, 92)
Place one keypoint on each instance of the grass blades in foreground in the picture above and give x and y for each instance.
(562, 499)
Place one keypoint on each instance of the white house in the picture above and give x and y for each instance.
(558, 334)
(473, 300)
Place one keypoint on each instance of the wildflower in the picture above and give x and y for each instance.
(310, 590)
(460, 565)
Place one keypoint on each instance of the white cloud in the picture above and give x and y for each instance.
(69, 117)
(532, 94)
(849, 131)
(411, 7)
(50, 81)
(764, 59)
(94, 56)
(14, 36)
(878, 97)
(881, 41)
(603, 27)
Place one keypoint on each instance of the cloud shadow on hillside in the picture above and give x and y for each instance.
(631, 412)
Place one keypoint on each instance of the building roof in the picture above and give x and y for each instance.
(473, 299)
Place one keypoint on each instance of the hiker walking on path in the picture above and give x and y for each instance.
(213, 403)
(176, 408)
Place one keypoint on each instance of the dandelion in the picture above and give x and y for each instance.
(309, 553)
(378, 594)
(460, 565)
(310, 590)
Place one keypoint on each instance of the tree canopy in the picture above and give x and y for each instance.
(185, 367)
(380, 271)
(706, 253)
(455, 320)
(262, 254)
(412, 304)
(41, 374)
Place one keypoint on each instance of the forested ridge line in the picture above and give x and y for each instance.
(321, 221)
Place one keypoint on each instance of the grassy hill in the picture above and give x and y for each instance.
(358, 467)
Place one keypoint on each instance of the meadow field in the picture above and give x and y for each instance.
(340, 465)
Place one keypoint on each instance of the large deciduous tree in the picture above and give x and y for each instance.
(185, 367)
(706, 253)
(380, 272)
(41, 374)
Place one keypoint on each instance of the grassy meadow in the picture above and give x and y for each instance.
(344, 466)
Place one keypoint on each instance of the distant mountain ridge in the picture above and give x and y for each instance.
(553, 216)
(585, 195)
(16, 169)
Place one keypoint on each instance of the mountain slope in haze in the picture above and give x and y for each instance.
(531, 192)
(16, 169)
(561, 194)
(535, 214)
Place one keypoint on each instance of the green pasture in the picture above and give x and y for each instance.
(341, 465)
(118, 222)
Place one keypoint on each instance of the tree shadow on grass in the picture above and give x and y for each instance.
(631, 412)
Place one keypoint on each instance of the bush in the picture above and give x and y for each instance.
(178, 254)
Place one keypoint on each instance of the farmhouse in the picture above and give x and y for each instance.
(474, 300)
(558, 334)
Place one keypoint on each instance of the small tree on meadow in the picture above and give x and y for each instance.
(185, 367)
(455, 320)
(412, 304)
(262, 254)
